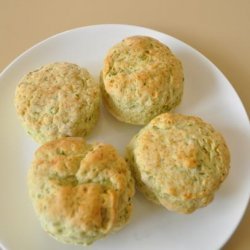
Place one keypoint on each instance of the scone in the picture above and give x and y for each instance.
(178, 161)
(57, 100)
(80, 192)
(141, 78)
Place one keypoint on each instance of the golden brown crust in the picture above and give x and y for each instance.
(141, 78)
(80, 192)
(57, 100)
(179, 161)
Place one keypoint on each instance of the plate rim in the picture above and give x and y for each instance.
(43, 41)
(244, 112)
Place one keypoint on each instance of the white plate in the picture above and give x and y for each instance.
(207, 94)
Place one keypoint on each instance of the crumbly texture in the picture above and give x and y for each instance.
(141, 78)
(57, 100)
(179, 161)
(80, 192)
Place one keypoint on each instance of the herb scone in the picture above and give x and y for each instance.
(80, 192)
(57, 100)
(141, 78)
(178, 161)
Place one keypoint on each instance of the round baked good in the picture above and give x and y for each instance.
(178, 161)
(141, 78)
(80, 192)
(57, 100)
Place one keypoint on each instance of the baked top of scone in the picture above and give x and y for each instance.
(80, 192)
(179, 161)
(57, 100)
(141, 78)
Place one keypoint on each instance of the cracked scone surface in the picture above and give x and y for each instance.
(141, 78)
(80, 192)
(57, 100)
(179, 161)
